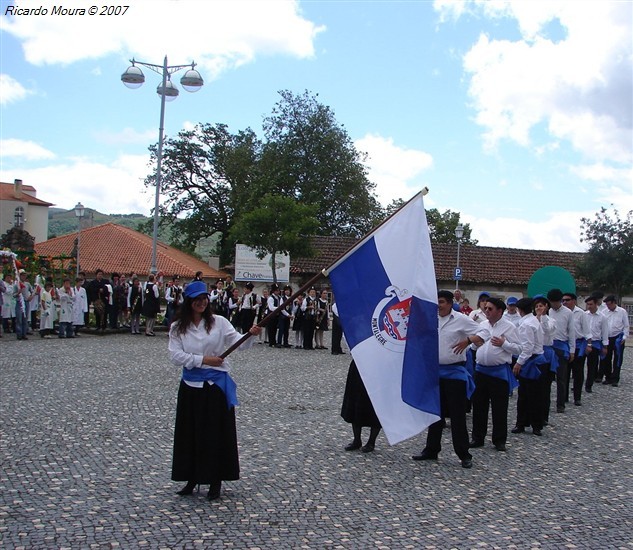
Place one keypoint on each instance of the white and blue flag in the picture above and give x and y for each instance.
(387, 302)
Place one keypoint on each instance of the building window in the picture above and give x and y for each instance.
(18, 216)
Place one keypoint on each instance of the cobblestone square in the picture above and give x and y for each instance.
(85, 447)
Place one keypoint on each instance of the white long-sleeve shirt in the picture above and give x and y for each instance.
(565, 330)
(489, 355)
(453, 328)
(531, 338)
(599, 327)
(618, 320)
(187, 350)
(581, 324)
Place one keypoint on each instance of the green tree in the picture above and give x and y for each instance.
(209, 176)
(277, 224)
(442, 225)
(308, 155)
(607, 264)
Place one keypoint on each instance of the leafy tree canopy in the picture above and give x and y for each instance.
(277, 224)
(442, 225)
(211, 177)
(608, 265)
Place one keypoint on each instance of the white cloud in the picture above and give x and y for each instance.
(11, 90)
(394, 170)
(115, 188)
(560, 232)
(218, 35)
(580, 86)
(24, 149)
(127, 136)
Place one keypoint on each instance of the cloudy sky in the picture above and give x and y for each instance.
(517, 114)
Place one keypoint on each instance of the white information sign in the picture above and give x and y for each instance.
(248, 267)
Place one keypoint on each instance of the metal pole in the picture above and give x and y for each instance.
(78, 242)
(159, 162)
(459, 243)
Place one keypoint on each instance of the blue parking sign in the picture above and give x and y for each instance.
(457, 274)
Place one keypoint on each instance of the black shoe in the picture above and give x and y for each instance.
(368, 448)
(560, 409)
(187, 489)
(500, 447)
(614, 384)
(354, 445)
(536, 431)
(287, 346)
(475, 443)
(577, 403)
(214, 490)
(278, 345)
(518, 430)
(588, 390)
(425, 455)
(606, 383)
(467, 463)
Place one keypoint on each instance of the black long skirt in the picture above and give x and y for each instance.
(357, 408)
(205, 438)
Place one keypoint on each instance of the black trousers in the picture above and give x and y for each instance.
(610, 366)
(308, 332)
(530, 406)
(562, 376)
(577, 371)
(337, 335)
(490, 392)
(593, 360)
(453, 404)
(272, 331)
(283, 328)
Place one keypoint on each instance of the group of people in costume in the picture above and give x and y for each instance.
(481, 361)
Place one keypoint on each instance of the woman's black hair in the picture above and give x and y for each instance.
(184, 316)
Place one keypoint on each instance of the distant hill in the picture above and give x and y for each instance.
(62, 222)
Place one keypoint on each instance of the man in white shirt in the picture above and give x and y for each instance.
(274, 300)
(583, 338)
(511, 313)
(599, 344)
(456, 333)
(494, 380)
(530, 367)
(564, 344)
(619, 328)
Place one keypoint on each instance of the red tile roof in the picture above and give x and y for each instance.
(480, 264)
(7, 193)
(115, 248)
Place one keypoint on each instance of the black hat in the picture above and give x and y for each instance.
(555, 295)
(250, 286)
(274, 287)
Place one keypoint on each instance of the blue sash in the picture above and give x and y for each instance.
(458, 372)
(504, 372)
(548, 351)
(470, 362)
(581, 347)
(597, 345)
(218, 377)
(619, 348)
(562, 346)
(531, 369)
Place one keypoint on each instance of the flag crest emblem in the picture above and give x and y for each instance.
(390, 320)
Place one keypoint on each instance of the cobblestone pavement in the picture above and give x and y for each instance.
(85, 449)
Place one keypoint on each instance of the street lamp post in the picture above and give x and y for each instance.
(79, 212)
(459, 233)
(134, 78)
